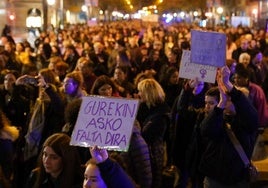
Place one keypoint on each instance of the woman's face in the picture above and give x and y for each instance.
(119, 75)
(105, 90)
(52, 162)
(174, 78)
(141, 96)
(210, 103)
(92, 177)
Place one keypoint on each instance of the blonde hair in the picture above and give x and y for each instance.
(151, 91)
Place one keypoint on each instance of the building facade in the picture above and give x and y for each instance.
(56, 12)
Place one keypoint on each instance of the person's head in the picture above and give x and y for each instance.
(241, 76)
(48, 75)
(141, 76)
(87, 68)
(61, 68)
(80, 62)
(144, 50)
(151, 92)
(132, 41)
(155, 55)
(173, 56)
(92, 176)
(29, 69)
(59, 157)
(98, 47)
(70, 48)
(170, 76)
(244, 44)
(185, 45)
(122, 58)
(72, 83)
(103, 86)
(212, 98)
(244, 58)
(20, 47)
(121, 73)
(9, 80)
(157, 45)
(9, 47)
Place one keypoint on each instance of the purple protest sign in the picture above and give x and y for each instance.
(105, 122)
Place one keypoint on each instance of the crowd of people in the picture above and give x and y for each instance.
(179, 122)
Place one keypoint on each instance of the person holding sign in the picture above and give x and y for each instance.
(102, 172)
(137, 158)
(220, 163)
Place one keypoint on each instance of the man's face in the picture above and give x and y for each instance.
(244, 44)
(240, 81)
(229, 108)
(70, 86)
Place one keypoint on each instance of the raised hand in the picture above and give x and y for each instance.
(98, 154)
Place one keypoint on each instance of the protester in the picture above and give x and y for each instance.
(72, 86)
(171, 84)
(102, 172)
(220, 162)
(59, 165)
(153, 116)
(187, 112)
(104, 86)
(46, 117)
(256, 94)
(122, 81)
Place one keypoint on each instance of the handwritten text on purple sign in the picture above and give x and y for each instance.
(105, 122)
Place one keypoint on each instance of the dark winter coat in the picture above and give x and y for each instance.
(220, 161)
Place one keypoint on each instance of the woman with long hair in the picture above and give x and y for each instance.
(59, 165)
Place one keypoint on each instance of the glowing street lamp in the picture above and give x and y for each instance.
(219, 10)
(51, 2)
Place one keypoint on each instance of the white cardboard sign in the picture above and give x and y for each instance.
(206, 73)
(105, 122)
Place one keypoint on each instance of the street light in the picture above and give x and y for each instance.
(219, 11)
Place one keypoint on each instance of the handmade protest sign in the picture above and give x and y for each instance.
(105, 122)
(206, 73)
(208, 48)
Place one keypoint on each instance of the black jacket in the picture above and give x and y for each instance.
(220, 160)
